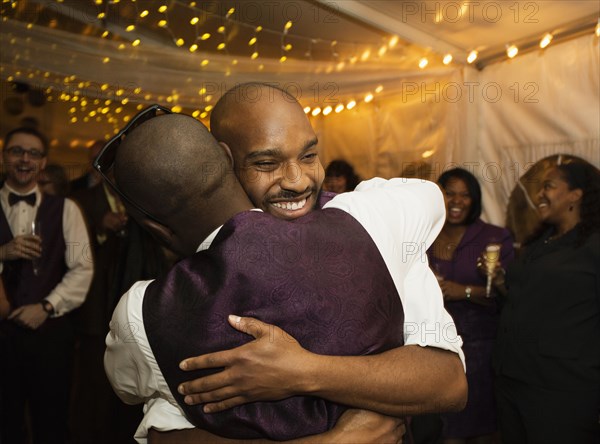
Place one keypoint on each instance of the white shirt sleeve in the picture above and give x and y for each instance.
(133, 371)
(71, 291)
(403, 217)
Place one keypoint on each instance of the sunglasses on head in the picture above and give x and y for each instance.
(105, 161)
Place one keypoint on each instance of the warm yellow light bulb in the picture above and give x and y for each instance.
(144, 13)
(136, 42)
(511, 51)
(423, 62)
(315, 112)
(288, 25)
(472, 56)
(282, 59)
(379, 89)
(252, 41)
(193, 48)
(180, 42)
(339, 108)
(393, 41)
(194, 20)
(162, 8)
(327, 110)
(130, 28)
(204, 62)
(447, 59)
(546, 40)
(351, 104)
(162, 23)
(368, 97)
(307, 109)
(221, 46)
(254, 55)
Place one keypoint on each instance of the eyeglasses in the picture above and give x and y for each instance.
(105, 161)
(19, 151)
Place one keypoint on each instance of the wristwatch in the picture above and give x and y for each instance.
(468, 291)
(47, 306)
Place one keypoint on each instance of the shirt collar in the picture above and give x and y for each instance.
(206, 243)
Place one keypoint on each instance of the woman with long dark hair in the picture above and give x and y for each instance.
(548, 349)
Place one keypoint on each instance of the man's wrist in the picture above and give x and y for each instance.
(47, 307)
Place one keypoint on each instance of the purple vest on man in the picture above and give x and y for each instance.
(22, 285)
(321, 278)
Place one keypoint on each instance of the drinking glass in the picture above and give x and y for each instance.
(492, 257)
(36, 230)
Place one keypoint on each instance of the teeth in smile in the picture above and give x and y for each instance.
(291, 206)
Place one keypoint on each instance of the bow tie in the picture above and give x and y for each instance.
(14, 198)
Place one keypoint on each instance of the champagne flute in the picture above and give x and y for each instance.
(492, 257)
(36, 230)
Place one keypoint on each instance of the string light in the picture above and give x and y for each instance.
(327, 110)
(315, 112)
(379, 89)
(423, 62)
(351, 104)
(339, 108)
(307, 109)
(546, 40)
(472, 56)
(447, 59)
(511, 51)
(368, 97)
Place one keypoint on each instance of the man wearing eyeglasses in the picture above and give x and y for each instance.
(46, 275)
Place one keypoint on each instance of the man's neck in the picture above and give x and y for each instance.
(20, 189)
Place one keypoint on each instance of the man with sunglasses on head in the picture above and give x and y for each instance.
(140, 197)
(46, 276)
(275, 156)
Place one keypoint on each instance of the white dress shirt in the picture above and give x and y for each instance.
(402, 216)
(71, 290)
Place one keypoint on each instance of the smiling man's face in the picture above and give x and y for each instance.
(22, 161)
(276, 159)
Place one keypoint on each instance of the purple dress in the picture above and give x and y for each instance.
(477, 326)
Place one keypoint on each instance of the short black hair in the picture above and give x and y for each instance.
(473, 187)
(30, 131)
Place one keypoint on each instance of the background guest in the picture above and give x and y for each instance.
(453, 257)
(53, 180)
(46, 275)
(91, 177)
(547, 359)
(340, 177)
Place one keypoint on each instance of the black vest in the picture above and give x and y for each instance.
(22, 285)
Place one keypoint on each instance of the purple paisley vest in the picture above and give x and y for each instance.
(321, 278)
(22, 285)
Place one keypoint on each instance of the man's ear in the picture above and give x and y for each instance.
(227, 151)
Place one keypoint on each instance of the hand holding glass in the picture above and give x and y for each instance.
(36, 230)
(491, 257)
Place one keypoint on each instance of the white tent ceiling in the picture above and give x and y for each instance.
(340, 51)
